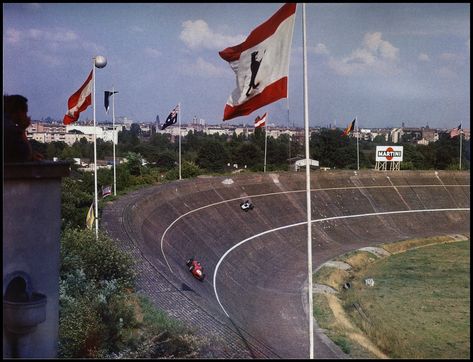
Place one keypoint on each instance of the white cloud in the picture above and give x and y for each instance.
(375, 55)
(423, 57)
(12, 36)
(450, 57)
(197, 34)
(320, 48)
(48, 45)
(137, 29)
(374, 43)
(155, 53)
(204, 68)
(32, 6)
(446, 72)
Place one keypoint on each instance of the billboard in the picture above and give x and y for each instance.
(389, 153)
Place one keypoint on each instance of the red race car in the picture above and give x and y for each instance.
(196, 269)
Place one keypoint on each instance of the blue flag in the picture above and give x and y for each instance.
(172, 118)
(107, 96)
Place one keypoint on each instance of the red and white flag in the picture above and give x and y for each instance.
(456, 131)
(260, 121)
(79, 101)
(261, 64)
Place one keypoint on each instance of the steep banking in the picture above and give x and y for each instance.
(260, 282)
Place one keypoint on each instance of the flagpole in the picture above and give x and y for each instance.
(461, 148)
(95, 159)
(114, 136)
(357, 146)
(265, 143)
(307, 173)
(99, 62)
(179, 115)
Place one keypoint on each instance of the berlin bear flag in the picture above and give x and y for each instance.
(261, 64)
(79, 101)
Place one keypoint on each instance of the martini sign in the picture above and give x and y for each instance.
(389, 153)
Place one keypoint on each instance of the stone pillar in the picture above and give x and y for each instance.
(31, 258)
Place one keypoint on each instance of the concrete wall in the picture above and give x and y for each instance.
(261, 284)
(31, 244)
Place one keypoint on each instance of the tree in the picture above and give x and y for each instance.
(166, 160)
(75, 202)
(212, 156)
(134, 163)
(332, 149)
(248, 154)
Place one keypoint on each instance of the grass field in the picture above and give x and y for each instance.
(419, 306)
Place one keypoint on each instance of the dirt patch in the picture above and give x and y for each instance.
(333, 277)
(342, 321)
(360, 259)
(405, 245)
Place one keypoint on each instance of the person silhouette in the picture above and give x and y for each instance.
(254, 67)
(15, 122)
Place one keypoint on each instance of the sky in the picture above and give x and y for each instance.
(385, 64)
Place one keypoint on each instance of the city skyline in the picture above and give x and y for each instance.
(383, 63)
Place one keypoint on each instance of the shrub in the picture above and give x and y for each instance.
(188, 170)
(100, 259)
(95, 282)
(100, 316)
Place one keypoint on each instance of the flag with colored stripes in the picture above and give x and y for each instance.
(456, 131)
(350, 128)
(106, 191)
(261, 64)
(260, 121)
(79, 101)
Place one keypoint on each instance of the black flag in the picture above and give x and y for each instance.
(107, 96)
(172, 118)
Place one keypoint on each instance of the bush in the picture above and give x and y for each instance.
(161, 337)
(188, 170)
(100, 316)
(100, 259)
(95, 284)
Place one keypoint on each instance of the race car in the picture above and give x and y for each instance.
(247, 205)
(196, 269)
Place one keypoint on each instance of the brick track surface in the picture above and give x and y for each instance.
(262, 284)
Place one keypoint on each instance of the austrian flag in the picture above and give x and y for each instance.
(260, 121)
(261, 64)
(79, 101)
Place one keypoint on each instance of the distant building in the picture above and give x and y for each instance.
(396, 134)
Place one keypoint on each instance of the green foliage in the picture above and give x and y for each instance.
(100, 316)
(212, 156)
(248, 154)
(166, 160)
(74, 203)
(162, 336)
(80, 246)
(134, 163)
(188, 170)
(95, 283)
(343, 343)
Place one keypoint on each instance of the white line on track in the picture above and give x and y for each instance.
(279, 193)
(318, 220)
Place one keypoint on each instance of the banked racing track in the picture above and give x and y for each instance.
(254, 297)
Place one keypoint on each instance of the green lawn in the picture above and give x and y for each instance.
(419, 306)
